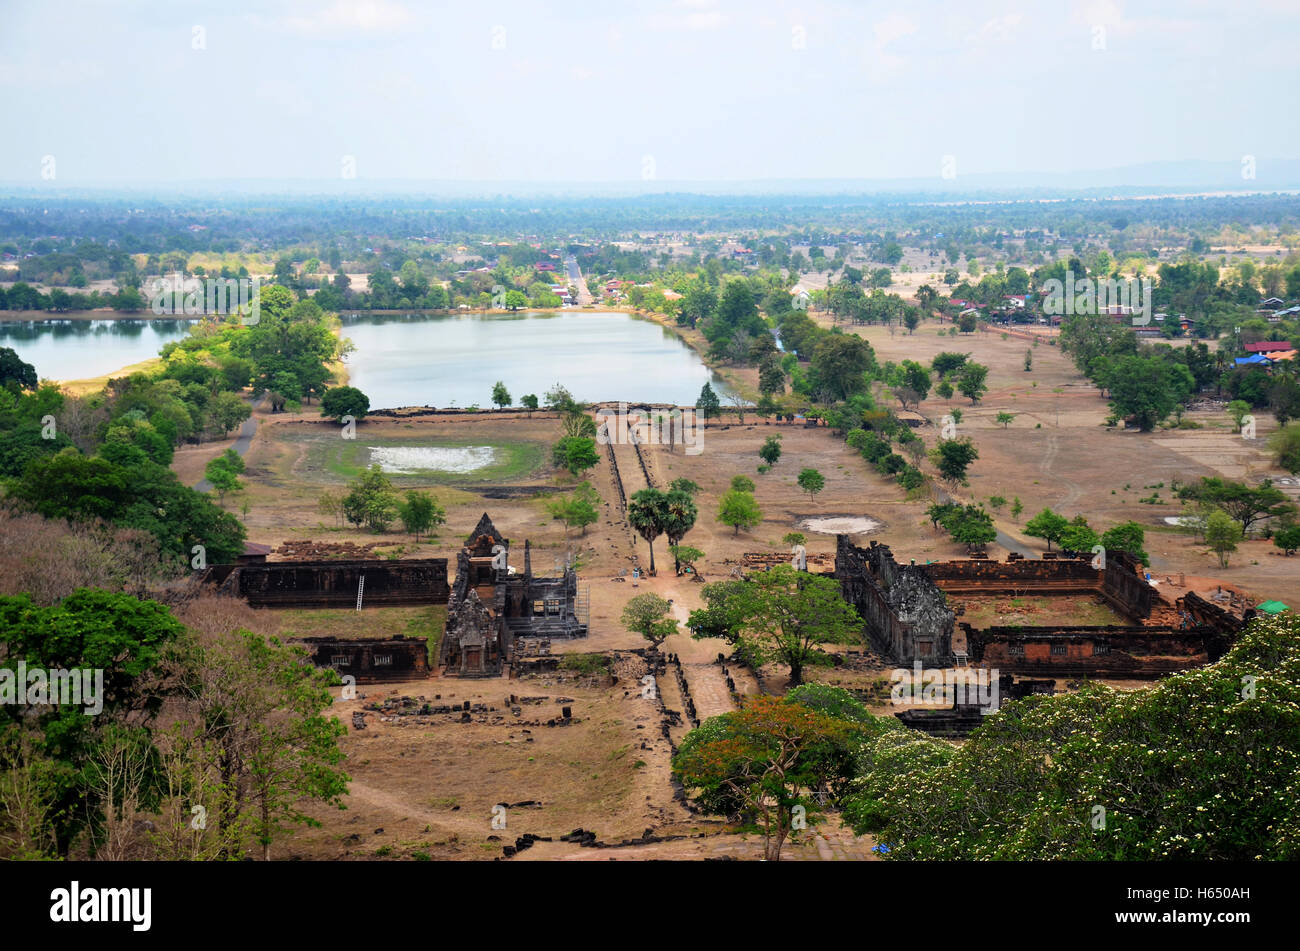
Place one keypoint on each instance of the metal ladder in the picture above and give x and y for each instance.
(582, 605)
(361, 586)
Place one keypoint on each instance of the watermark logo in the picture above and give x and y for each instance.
(200, 820)
(948, 427)
(75, 904)
(1099, 818)
(49, 428)
(648, 168)
(948, 167)
(965, 686)
(1099, 38)
(676, 428)
(649, 690)
(349, 691)
(39, 686)
(1248, 426)
(1248, 687)
(799, 818)
(349, 430)
(497, 39)
(798, 37)
(1248, 168)
(499, 816)
(192, 296)
(800, 560)
(1099, 557)
(198, 37)
(348, 167)
(1115, 298)
(200, 559)
(49, 168)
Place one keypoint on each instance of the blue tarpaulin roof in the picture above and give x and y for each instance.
(1254, 358)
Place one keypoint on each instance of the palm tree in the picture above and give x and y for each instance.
(647, 512)
(681, 511)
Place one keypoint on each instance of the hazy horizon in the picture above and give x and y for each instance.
(655, 94)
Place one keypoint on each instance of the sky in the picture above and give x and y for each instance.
(145, 92)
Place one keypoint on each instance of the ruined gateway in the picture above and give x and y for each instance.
(908, 620)
(491, 609)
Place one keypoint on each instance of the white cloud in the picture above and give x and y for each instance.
(881, 63)
(369, 16)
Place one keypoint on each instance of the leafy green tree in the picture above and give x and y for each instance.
(739, 510)
(648, 615)
(770, 451)
(227, 410)
(370, 500)
(1237, 411)
(1175, 766)
(1048, 526)
(1006, 419)
(1016, 507)
(420, 513)
(529, 402)
(685, 556)
(708, 404)
(970, 525)
(1222, 535)
(223, 472)
(740, 483)
(952, 457)
(1287, 539)
(13, 371)
(811, 481)
(340, 401)
(971, 381)
(1285, 446)
(1242, 502)
(840, 363)
(577, 454)
(515, 299)
(780, 615)
(577, 508)
(1146, 389)
(130, 641)
(764, 762)
(500, 395)
(1079, 537)
(1127, 537)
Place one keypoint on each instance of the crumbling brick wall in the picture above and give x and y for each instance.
(907, 617)
(1062, 576)
(1125, 586)
(322, 584)
(371, 659)
(1088, 651)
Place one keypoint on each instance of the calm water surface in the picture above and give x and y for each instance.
(77, 349)
(442, 361)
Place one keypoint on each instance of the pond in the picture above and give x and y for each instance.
(422, 360)
(80, 349)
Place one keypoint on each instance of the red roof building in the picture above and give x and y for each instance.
(1268, 346)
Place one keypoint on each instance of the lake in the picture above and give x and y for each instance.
(79, 349)
(421, 360)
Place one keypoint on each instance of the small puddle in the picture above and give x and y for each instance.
(840, 524)
(407, 459)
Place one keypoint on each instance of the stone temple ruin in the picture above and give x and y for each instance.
(908, 618)
(492, 608)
